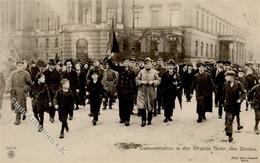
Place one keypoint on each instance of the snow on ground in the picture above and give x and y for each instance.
(182, 140)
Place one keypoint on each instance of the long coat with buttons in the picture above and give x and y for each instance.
(147, 93)
(20, 84)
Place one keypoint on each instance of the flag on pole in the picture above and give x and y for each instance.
(113, 43)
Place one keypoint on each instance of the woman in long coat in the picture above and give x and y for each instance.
(147, 80)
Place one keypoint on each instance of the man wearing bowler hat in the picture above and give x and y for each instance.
(52, 78)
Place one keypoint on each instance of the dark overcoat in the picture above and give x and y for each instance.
(204, 86)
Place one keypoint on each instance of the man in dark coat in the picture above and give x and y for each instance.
(125, 87)
(255, 93)
(52, 78)
(34, 71)
(159, 99)
(20, 84)
(71, 75)
(219, 83)
(204, 87)
(234, 94)
(188, 76)
(251, 81)
(170, 85)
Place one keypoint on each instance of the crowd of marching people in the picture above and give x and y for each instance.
(150, 86)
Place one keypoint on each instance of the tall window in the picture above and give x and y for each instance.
(207, 27)
(202, 21)
(212, 26)
(207, 47)
(197, 19)
(37, 24)
(216, 27)
(216, 51)
(36, 43)
(110, 16)
(175, 17)
(48, 24)
(47, 43)
(58, 22)
(220, 29)
(155, 18)
(211, 51)
(56, 42)
(196, 48)
(137, 17)
(87, 17)
(201, 49)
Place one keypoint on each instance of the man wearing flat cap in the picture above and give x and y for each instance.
(19, 85)
(234, 94)
(204, 86)
(147, 80)
(52, 79)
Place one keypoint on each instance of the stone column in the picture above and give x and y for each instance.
(104, 11)
(93, 11)
(119, 11)
(76, 11)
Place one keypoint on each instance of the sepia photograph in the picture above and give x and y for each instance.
(129, 81)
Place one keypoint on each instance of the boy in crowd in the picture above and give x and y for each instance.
(234, 94)
(63, 102)
(96, 93)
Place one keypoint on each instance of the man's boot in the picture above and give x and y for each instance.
(150, 115)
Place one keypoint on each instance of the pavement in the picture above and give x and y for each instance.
(182, 140)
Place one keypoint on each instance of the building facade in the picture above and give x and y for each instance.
(181, 29)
